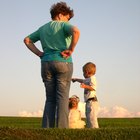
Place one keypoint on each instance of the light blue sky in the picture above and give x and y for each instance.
(110, 37)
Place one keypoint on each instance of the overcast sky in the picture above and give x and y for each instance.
(110, 38)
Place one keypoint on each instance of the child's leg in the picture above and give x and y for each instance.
(91, 114)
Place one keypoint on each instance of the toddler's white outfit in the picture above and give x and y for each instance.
(92, 105)
(75, 119)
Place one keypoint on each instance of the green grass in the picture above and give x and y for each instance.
(20, 128)
(20, 122)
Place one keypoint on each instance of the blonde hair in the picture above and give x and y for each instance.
(89, 68)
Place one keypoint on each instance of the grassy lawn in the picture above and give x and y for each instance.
(18, 128)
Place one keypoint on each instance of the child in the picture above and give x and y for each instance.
(74, 114)
(89, 85)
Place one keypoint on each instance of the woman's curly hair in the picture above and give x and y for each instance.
(61, 7)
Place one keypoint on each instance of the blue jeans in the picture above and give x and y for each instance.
(57, 79)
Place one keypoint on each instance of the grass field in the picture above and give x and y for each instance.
(20, 128)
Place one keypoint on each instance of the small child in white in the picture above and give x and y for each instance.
(75, 114)
(89, 85)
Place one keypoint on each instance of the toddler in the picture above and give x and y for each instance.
(89, 85)
(74, 114)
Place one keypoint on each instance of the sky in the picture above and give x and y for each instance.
(110, 38)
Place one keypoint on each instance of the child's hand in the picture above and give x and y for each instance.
(82, 85)
(73, 80)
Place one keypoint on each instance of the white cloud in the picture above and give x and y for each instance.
(137, 114)
(104, 112)
(31, 114)
(115, 112)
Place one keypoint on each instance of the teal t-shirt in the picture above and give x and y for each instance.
(55, 36)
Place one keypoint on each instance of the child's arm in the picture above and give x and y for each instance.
(86, 87)
(82, 84)
(77, 80)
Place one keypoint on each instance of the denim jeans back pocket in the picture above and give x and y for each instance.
(64, 69)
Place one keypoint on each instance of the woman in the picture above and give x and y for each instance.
(58, 39)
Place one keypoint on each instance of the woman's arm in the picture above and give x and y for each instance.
(75, 37)
(31, 46)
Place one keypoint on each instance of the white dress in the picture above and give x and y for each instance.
(75, 119)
